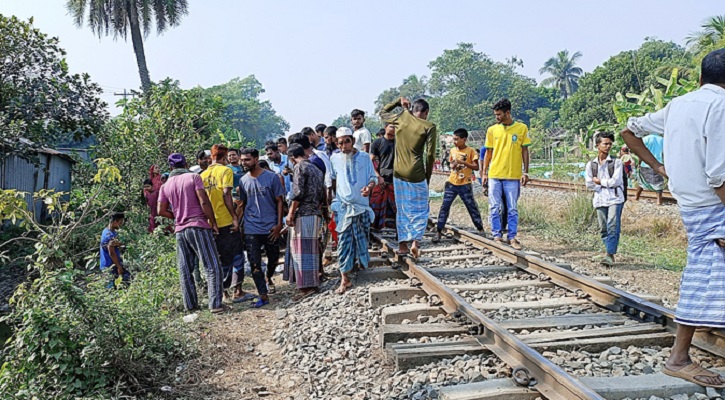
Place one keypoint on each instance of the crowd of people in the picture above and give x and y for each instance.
(332, 185)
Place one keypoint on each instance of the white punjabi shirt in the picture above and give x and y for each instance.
(693, 126)
(611, 190)
(362, 136)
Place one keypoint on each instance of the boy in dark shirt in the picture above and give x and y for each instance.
(111, 252)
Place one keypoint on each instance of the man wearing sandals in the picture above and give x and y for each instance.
(353, 177)
(194, 223)
(694, 139)
(262, 198)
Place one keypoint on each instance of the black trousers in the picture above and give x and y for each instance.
(255, 244)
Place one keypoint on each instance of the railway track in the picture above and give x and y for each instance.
(562, 333)
(579, 187)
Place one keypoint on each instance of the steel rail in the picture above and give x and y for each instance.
(550, 380)
(574, 186)
(601, 294)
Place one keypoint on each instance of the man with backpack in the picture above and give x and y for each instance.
(605, 176)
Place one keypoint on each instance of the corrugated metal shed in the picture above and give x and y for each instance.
(52, 172)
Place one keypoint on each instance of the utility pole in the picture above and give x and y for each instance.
(125, 94)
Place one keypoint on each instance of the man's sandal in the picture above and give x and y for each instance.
(222, 309)
(692, 372)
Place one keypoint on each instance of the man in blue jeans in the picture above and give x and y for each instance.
(506, 166)
(604, 177)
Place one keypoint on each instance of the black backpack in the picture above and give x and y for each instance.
(610, 168)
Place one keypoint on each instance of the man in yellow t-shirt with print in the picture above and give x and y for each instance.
(463, 161)
(218, 181)
(507, 166)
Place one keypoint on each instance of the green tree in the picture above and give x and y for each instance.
(713, 31)
(628, 72)
(564, 72)
(167, 120)
(413, 88)
(464, 84)
(245, 113)
(39, 99)
(121, 16)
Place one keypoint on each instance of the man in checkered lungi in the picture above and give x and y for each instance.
(694, 138)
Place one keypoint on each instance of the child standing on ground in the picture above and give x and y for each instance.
(463, 161)
(111, 251)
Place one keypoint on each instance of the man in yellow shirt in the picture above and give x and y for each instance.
(507, 145)
(218, 181)
(463, 161)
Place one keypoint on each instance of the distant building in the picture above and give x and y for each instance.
(53, 172)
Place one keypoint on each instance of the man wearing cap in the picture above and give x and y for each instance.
(194, 222)
(353, 178)
(218, 181)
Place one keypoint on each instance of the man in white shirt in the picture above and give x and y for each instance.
(362, 135)
(693, 126)
(604, 177)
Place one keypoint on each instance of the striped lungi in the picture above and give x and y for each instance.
(650, 180)
(353, 243)
(382, 201)
(194, 244)
(702, 288)
(303, 264)
(412, 203)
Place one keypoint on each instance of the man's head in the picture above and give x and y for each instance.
(273, 153)
(420, 109)
(320, 129)
(311, 135)
(264, 165)
(282, 145)
(116, 220)
(203, 158)
(345, 140)
(300, 139)
(233, 156)
(330, 135)
(713, 68)
(502, 111)
(604, 141)
(219, 154)
(148, 185)
(389, 130)
(177, 160)
(381, 132)
(249, 158)
(296, 153)
(164, 177)
(357, 118)
(460, 136)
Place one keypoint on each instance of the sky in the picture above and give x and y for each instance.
(320, 59)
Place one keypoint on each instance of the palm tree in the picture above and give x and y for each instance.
(713, 30)
(564, 72)
(121, 16)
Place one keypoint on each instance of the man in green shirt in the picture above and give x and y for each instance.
(415, 138)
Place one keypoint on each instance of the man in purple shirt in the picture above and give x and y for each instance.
(194, 219)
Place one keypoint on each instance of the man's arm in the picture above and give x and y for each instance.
(294, 204)
(275, 232)
(486, 164)
(432, 142)
(374, 153)
(111, 247)
(636, 146)
(229, 203)
(163, 210)
(206, 208)
(386, 114)
(589, 180)
(616, 180)
(525, 158)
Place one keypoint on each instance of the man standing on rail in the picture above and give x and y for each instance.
(414, 138)
(354, 179)
(382, 200)
(694, 139)
(507, 145)
(604, 177)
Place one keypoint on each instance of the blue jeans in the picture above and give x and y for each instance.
(466, 193)
(610, 223)
(508, 189)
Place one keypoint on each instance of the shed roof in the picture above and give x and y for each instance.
(47, 150)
